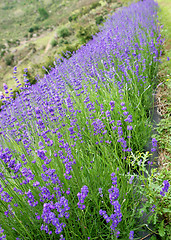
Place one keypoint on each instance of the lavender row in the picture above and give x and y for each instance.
(63, 138)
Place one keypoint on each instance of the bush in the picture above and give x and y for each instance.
(84, 10)
(33, 29)
(47, 65)
(64, 32)
(43, 13)
(67, 51)
(9, 59)
(73, 17)
(95, 5)
(16, 91)
(99, 19)
(2, 50)
(84, 34)
(2, 53)
(2, 46)
(31, 78)
(54, 42)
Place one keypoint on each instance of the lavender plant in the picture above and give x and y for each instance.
(62, 138)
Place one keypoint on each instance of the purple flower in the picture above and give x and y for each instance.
(119, 123)
(128, 119)
(129, 128)
(81, 196)
(122, 104)
(165, 188)
(108, 113)
(62, 237)
(154, 144)
(114, 179)
(131, 235)
(113, 194)
(112, 104)
(100, 191)
(1, 232)
(153, 207)
(120, 132)
(6, 197)
(131, 179)
(31, 199)
(41, 154)
(116, 217)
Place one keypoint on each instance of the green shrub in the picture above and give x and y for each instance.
(26, 35)
(84, 10)
(99, 19)
(95, 5)
(9, 59)
(2, 46)
(2, 53)
(15, 92)
(0, 104)
(61, 42)
(64, 32)
(47, 65)
(73, 17)
(33, 29)
(68, 50)
(84, 34)
(30, 76)
(13, 42)
(54, 42)
(2, 50)
(43, 13)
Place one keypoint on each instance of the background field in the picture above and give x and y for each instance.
(29, 31)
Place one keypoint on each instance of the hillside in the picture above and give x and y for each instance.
(31, 32)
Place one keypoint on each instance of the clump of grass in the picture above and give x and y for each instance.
(64, 32)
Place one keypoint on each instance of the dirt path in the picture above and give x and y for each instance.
(48, 46)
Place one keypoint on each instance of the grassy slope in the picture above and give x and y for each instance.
(18, 17)
(164, 91)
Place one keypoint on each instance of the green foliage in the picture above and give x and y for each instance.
(43, 14)
(30, 76)
(54, 42)
(73, 17)
(99, 19)
(13, 43)
(2, 46)
(47, 65)
(95, 5)
(9, 59)
(16, 92)
(2, 53)
(64, 32)
(84, 10)
(2, 50)
(33, 29)
(84, 34)
(156, 206)
(68, 50)
(0, 104)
